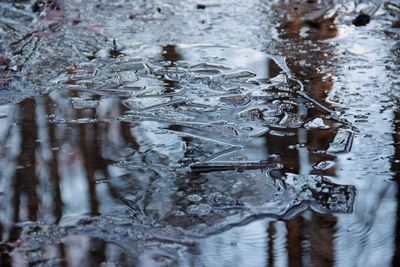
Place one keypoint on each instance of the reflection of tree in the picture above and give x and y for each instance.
(37, 187)
(308, 25)
(271, 232)
(90, 147)
(396, 170)
(170, 55)
(322, 234)
(295, 237)
(54, 170)
(26, 180)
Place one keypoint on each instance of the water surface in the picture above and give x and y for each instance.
(169, 133)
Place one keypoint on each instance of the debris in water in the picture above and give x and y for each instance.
(200, 6)
(342, 142)
(361, 20)
(229, 165)
(324, 165)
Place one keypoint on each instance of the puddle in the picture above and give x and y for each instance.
(182, 140)
(131, 144)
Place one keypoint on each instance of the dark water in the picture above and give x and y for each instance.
(167, 133)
